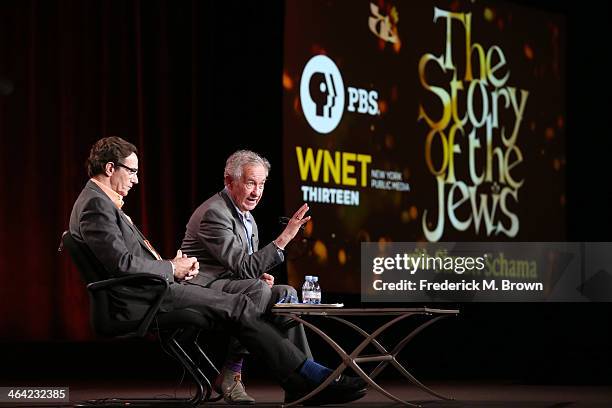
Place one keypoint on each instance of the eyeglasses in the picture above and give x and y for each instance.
(133, 172)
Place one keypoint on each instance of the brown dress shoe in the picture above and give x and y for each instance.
(231, 386)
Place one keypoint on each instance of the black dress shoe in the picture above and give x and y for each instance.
(343, 389)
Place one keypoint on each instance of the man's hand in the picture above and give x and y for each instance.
(185, 268)
(293, 226)
(269, 279)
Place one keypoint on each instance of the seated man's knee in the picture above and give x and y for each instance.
(261, 294)
(283, 293)
(234, 308)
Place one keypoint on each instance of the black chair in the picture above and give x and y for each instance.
(172, 328)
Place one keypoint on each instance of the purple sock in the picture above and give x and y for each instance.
(234, 365)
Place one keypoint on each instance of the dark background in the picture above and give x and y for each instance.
(396, 139)
(189, 82)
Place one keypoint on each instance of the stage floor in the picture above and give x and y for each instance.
(466, 394)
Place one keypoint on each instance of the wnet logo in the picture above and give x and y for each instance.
(322, 94)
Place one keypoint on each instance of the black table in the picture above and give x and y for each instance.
(297, 312)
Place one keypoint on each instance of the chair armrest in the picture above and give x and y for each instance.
(133, 279)
(129, 280)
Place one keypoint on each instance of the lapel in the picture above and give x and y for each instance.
(123, 217)
(240, 230)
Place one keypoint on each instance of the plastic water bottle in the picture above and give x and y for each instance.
(316, 291)
(307, 290)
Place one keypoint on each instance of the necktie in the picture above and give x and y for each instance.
(152, 250)
(146, 241)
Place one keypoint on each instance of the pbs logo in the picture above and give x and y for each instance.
(322, 95)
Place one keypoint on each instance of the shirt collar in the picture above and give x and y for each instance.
(115, 197)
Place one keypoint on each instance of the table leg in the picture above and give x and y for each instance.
(395, 352)
(398, 348)
(349, 360)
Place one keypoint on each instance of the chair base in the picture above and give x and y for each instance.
(203, 385)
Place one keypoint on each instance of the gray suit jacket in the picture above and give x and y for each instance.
(215, 235)
(96, 221)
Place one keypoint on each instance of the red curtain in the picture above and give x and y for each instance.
(74, 71)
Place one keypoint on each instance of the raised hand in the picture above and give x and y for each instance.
(293, 226)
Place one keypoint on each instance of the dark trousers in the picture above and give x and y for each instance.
(237, 314)
(264, 297)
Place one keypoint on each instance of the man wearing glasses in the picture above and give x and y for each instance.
(98, 222)
(223, 236)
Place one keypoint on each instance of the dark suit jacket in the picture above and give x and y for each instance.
(215, 235)
(118, 245)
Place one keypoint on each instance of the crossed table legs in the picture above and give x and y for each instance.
(353, 359)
